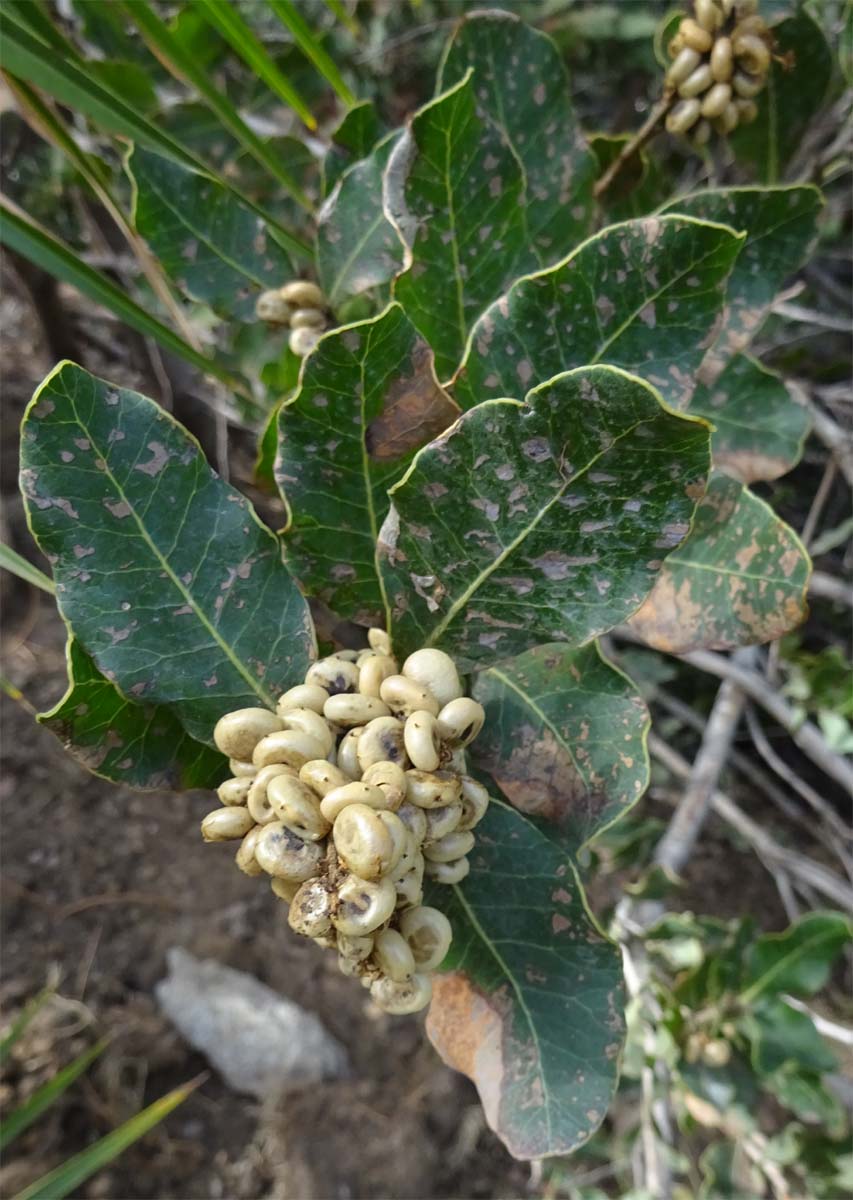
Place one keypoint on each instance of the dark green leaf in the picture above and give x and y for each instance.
(65, 1178)
(564, 739)
(644, 295)
(356, 135)
(368, 399)
(804, 1094)
(130, 81)
(640, 186)
(799, 959)
(163, 572)
(532, 1006)
(20, 1118)
(760, 428)
(143, 746)
(796, 87)
(540, 522)
(522, 88)
(740, 577)
(216, 248)
(57, 259)
(454, 189)
(780, 1034)
(180, 60)
(357, 246)
(780, 226)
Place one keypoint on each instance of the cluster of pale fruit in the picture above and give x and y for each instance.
(302, 307)
(351, 792)
(721, 61)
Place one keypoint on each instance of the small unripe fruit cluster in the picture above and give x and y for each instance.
(350, 793)
(721, 60)
(299, 304)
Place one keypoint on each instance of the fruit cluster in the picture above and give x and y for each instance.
(347, 795)
(299, 304)
(721, 60)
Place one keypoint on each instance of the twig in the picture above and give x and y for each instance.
(829, 431)
(827, 587)
(675, 846)
(838, 1033)
(820, 498)
(768, 849)
(804, 733)
(747, 768)
(811, 316)
(825, 811)
(657, 112)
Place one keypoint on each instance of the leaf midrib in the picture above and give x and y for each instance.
(489, 570)
(164, 563)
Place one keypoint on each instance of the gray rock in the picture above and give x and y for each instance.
(259, 1042)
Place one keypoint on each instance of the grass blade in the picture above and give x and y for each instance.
(310, 45)
(47, 252)
(28, 58)
(31, 14)
(43, 1097)
(340, 13)
(11, 560)
(45, 120)
(21, 1022)
(226, 19)
(181, 64)
(59, 1182)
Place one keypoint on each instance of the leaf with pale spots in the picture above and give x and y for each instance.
(760, 428)
(367, 400)
(530, 1006)
(739, 579)
(799, 77)
(540, 522)
(357, 246)
(454, 190)
(522, 88)
(645, 295)
(357, 133)
(213, 246)
(163, 572)
(564, 739)
(781, 227)
(141, 745)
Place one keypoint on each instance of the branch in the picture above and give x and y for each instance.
(803, 789)
(675, 846)
(829, 431)
(768, 849)
(827, 587)
(804, 733)
(656, 114)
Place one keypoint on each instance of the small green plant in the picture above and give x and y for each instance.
(69, 1175)
(507, 425)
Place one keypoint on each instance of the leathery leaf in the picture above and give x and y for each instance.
(531, 1006)
(544, 521)
(163, 572)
